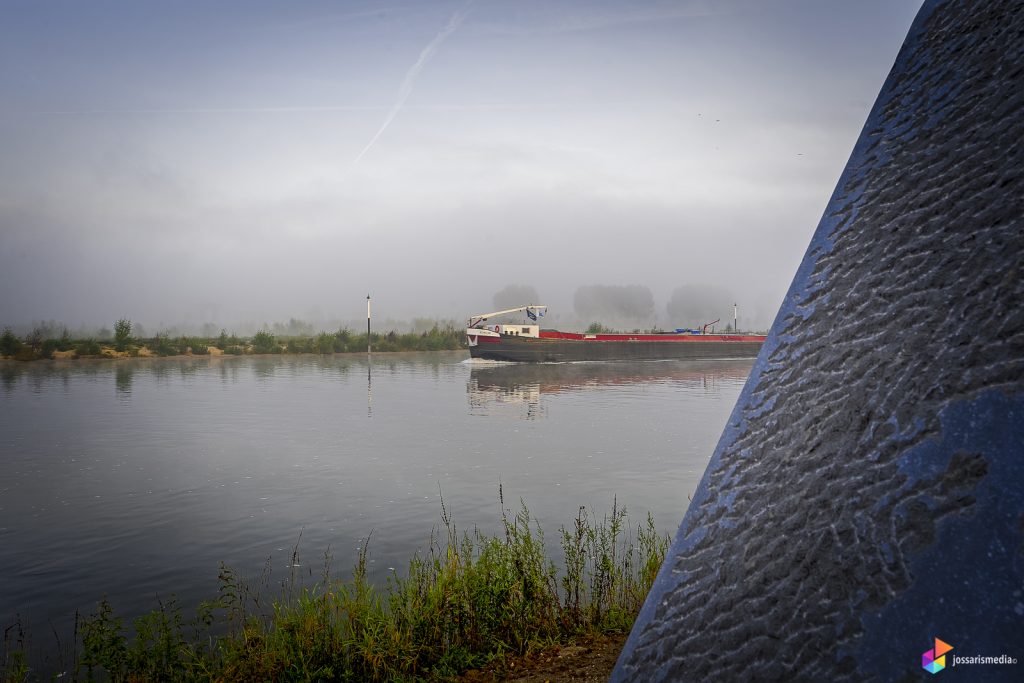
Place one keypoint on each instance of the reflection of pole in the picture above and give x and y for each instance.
(368, 323)
(369, 392)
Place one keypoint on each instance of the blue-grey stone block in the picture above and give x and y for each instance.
(867, 495)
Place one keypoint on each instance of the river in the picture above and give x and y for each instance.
(135, 479)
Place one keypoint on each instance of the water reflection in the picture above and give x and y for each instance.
(228, 457)
(9, 376)
(228, 371)
(522, 386)
(264, 367)
(127, 372)
(123, 379)
(491, 391)
(161, 371)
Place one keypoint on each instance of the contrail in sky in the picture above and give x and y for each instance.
(437, 106)
(410, 77)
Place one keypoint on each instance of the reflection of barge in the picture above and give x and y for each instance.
(532, 381)
(492, 387)
(529, 343)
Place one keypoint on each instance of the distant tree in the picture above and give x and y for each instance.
(694, 305)
(622, 306)
(46, 329)
(420, 325)
(294, 328)
(123, 334)
(514, 296)
(36, 336)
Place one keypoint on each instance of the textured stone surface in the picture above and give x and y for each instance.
(868, 492)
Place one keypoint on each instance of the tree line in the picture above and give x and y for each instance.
(123, 340)
(632, 306)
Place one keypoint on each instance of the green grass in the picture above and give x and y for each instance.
(472, 598)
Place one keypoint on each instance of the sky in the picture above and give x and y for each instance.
(231, 162)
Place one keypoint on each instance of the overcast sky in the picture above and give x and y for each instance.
(236, 161)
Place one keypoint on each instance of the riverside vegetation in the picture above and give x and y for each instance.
(471, 601)
(122, 343)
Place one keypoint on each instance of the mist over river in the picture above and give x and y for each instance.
(135, 479)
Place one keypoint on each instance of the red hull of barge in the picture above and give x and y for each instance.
(554, 346)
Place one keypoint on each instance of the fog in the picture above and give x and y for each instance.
(245, 164)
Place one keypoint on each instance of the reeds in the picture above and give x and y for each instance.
(472, 598)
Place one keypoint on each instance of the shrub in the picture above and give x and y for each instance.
(194, 345)
(302, 344)
(264, 342)
(48, 347)
(104, 647)
(225, 340)
(162, 346)
(123, 334)
(88, 347)
(199, 347)
(26, 352)
(65, 343)
(295, 345)
(325, 343)
(341, 340)
(9, 344)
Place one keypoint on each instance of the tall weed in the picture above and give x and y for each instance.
(471, 598)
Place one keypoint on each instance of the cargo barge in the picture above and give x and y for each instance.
(527, 343)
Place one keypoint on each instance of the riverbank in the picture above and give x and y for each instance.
(343, 341)
(588, 660)
(474, 606)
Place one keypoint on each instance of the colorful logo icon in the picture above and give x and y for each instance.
(934, 661)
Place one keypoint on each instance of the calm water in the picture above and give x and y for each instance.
(137, 478)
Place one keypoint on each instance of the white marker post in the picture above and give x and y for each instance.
(735, 320)
(367, 323)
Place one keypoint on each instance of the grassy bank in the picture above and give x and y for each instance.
(470, 600)
(124, 345)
